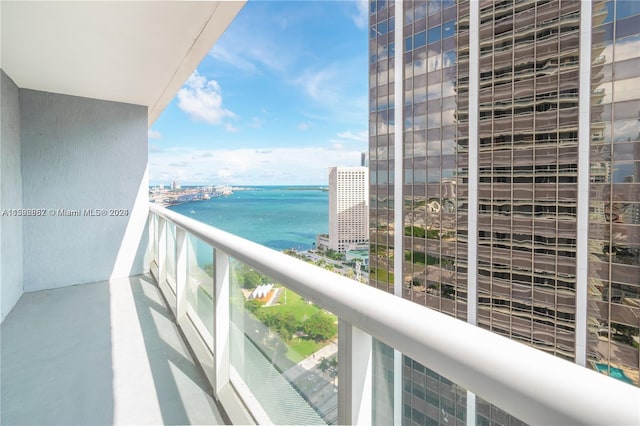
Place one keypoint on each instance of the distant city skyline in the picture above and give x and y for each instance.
(271, 103)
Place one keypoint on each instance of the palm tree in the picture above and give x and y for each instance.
(333, 373)
(324, 365)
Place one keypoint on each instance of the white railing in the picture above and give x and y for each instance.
(531, 385)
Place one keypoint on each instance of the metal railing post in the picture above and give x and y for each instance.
(221, 313)
(162, 250)
(153, 237)
(181, 274)
(355, 366)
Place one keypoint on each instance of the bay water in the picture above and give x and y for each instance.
(279, 217)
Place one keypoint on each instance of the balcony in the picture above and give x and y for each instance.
(532, 386)
(178, 347)
(100, 353)
(162, 334)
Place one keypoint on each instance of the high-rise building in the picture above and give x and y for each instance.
(348, 208)
(505, 181)
(364, 161)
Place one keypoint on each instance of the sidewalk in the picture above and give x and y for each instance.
(310, 362)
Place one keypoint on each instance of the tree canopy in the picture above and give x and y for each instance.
(319, 326)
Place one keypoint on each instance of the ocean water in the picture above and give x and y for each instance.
(275, 216)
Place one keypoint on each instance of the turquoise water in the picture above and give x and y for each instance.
(614, 372)
(277, 217)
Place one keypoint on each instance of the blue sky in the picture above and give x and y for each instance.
(279, 99)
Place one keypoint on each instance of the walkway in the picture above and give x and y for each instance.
(101, 353)
(311, 362)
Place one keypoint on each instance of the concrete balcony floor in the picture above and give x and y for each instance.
(101, 353)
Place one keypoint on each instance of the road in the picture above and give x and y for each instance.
(340, 267)
(318, 388)
(310, 362)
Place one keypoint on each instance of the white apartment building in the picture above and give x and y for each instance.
(348, 208)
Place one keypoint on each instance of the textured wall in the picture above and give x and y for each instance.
(10, 197)
(79, 154)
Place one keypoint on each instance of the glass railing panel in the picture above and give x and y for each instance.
(425, 397)
(171, 255)
(382, 392)
(488, 414)
(286, 368)
(284, 348)
(154, 237)
(199, 293)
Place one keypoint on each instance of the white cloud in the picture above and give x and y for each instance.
(335, 92)
(353, 140)
(252, 50)
(319, 84)
(358, 137)
(233, 57)
(230, 128)
(154, 148)
(262, 44)
(153, 134)
(361, 17)
(201, 99)
(304, 126)
(224, 173)
(249, 166)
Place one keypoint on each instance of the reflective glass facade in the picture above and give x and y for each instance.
(435, 112)
(527, 144)
(528, 157)
(614, 198)
(435, 158)
(381, 141)
(382, 105)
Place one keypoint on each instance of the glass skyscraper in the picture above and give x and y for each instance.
(505, 183)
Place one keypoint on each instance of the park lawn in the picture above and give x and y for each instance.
(300, 309)
(299, 349)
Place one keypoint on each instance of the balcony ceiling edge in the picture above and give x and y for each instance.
(132, 52)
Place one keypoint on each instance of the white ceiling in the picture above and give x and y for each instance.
(134, 52)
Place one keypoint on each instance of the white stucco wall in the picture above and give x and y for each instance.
(10, 197)
(78, 154)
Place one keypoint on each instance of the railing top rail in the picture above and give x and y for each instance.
(533, 386)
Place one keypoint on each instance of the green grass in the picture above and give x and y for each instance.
(299, 349)
(300, 309)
